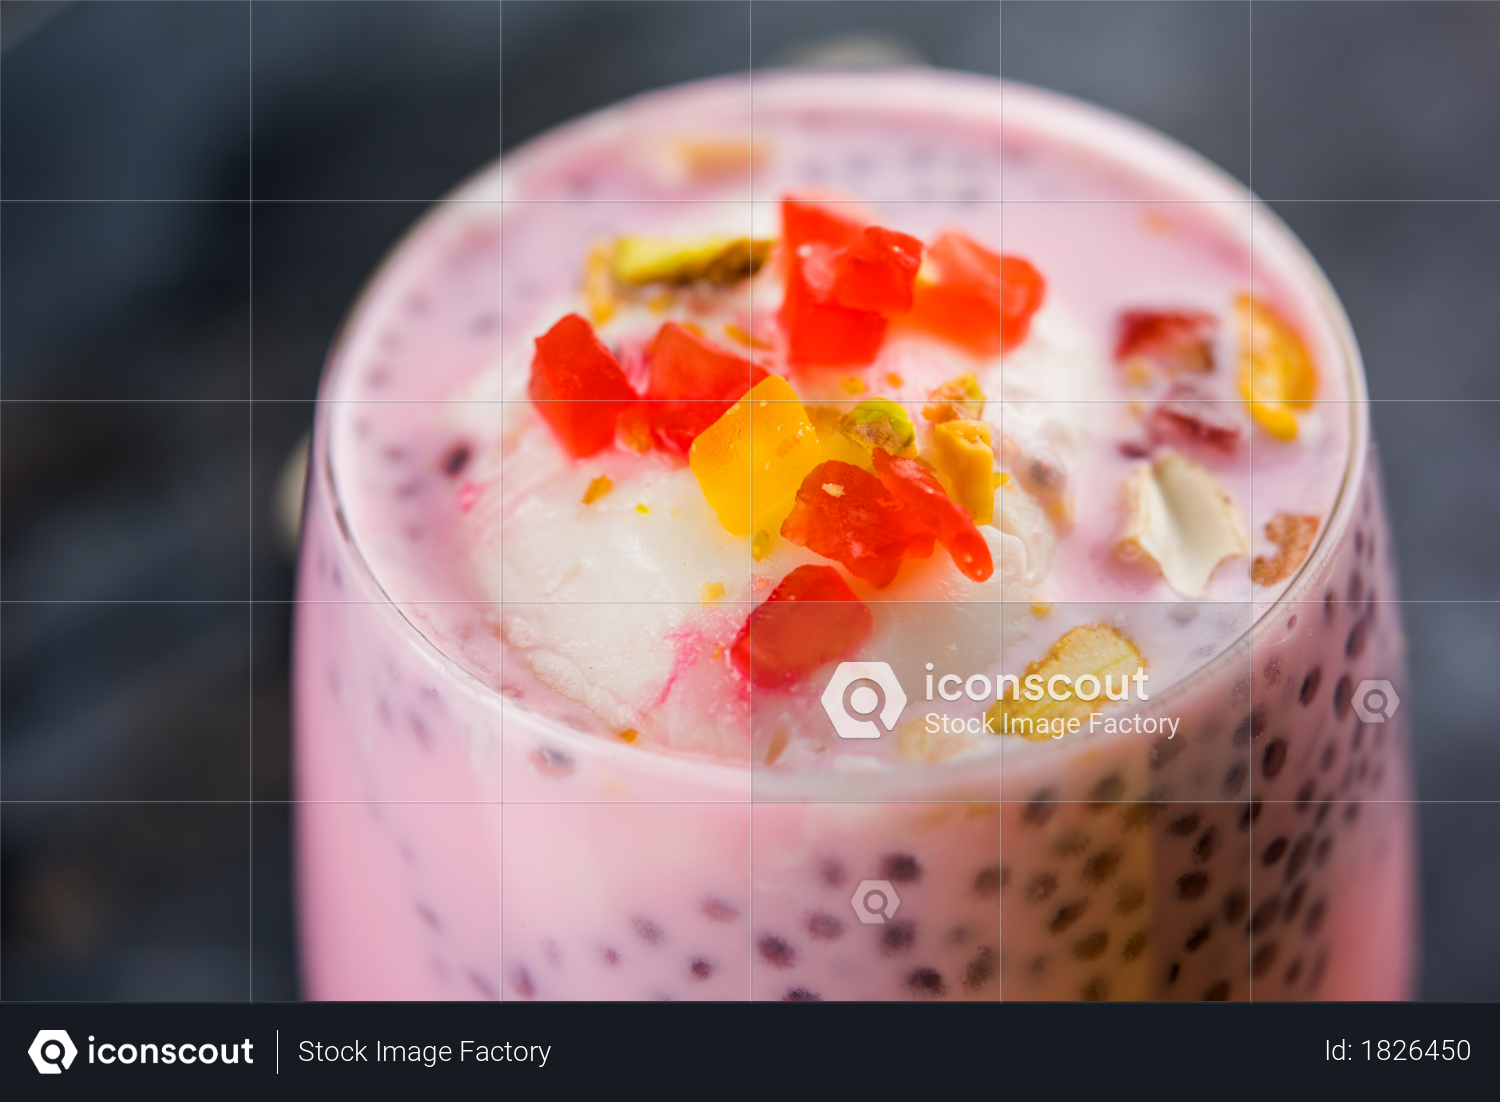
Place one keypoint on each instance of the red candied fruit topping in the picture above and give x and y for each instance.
(978, 299)
(876, 271)
(1187, 416)
(916, 488)
(846, 514)
(578, 386)
(820, 330)
(810, 618)
(1174, 340)
(804, 221)
(692, 383)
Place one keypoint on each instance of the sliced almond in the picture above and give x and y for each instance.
(1182, 520)
(1091, 650)
(1293, 537)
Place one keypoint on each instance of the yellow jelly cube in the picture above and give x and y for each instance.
(1276, 371)
(966, 462)
(751, 461)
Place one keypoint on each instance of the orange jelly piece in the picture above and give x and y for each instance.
(976, 298)
(750, 461)
(844, 513)
(810, 618)
(1276, 371)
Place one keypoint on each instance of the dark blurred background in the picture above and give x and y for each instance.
(161, 337)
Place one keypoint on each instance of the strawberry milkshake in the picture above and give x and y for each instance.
(859, 536)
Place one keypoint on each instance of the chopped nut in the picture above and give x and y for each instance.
(597, 489)
(760, 545)
(598, 286)
(642, 508)
(967, 464)
(717, 261)
(706, 158)
(630, 734)
(1181, 520)
(1095, 651)
(1293, 537)
(894, 380)
(879, 423)
(833, 489)
(710, 592)
(853, 385)
(1041, 474)
(1276, 371)
(957, 398)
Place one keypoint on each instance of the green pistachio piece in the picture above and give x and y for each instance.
(957, 399)
(717, 261)
(879, 423)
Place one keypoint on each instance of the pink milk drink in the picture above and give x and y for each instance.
(871, 536)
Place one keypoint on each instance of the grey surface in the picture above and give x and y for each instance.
(396, 101)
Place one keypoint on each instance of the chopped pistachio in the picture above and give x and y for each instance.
(879, 423)
(717, 261)
(966, 463)
(955, 399)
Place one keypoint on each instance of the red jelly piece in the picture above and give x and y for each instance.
(976, 298)
(807, 221)
(1174, 340)
(876, 271)
(810, 618)
(578, 387)
(820, 331)
(1187, 417)
(845, 514)
(692, 383)
(916, 487)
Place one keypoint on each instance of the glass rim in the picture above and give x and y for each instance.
(1088, 129)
